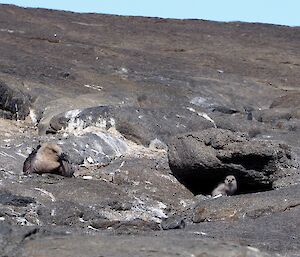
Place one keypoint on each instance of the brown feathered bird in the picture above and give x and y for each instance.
(48, 158)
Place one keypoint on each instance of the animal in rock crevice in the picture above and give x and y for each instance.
(229, 187)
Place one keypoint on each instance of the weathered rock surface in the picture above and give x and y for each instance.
(247, 206)
(145, 245)
(140, 125)
(202, 159)
(14, 104)
(277, 232)
(114, 92)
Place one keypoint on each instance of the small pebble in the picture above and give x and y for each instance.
(87, 177)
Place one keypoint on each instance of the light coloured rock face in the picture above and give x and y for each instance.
(114, 102)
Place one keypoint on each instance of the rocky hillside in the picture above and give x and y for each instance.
(153, 114)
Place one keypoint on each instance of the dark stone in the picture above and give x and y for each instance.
(145, 124)
(7, 198)
(61, 213)
(119, 206)
(249, 116)
(173, 222)
(14, 104)
(224, 109)
(101, 147)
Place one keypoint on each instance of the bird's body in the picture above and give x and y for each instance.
(229, 187)
(48, 158)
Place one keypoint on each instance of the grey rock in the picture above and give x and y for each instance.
(138, 245)
(7, 198)
(61, 213)
(98, 147)
(124, 227)
(157, 144)
(287, 101)
(143, 125)
(274, 115)
(275, 232)
(202, 159)
(81, 118)
(140, 125)
(14, 104)
(173, 222)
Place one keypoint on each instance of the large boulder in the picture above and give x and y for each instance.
(201, 160)
(140, 125)
(14, 104)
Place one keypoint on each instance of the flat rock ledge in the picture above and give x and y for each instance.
(247, 206)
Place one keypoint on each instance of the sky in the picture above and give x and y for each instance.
(282, 12)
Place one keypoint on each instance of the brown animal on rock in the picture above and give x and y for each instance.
(48, 158)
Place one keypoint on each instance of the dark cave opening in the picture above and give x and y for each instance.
(205, 183)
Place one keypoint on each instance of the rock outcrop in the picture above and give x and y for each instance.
(14, 104)
(118, 94)
(202, 159)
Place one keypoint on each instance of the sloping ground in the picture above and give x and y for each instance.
(114, 92)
